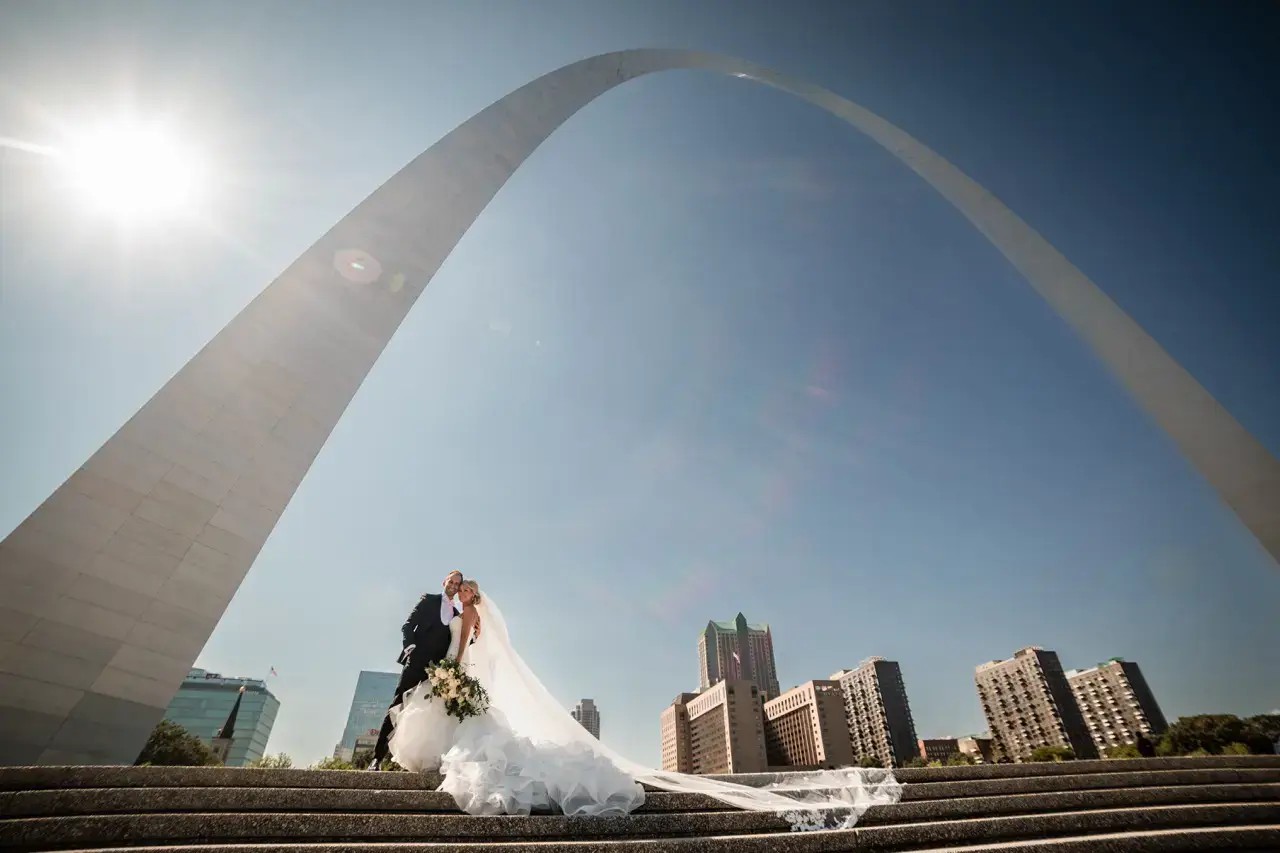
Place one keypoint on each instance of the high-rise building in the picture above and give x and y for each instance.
(677, 751)
(878, 713)
(373, 693)
(719, 730)
(806, 727)
(588, 715)
(1116, 703)
(1029, 704)
(203, 706)
(731, 651)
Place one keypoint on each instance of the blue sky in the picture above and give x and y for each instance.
(709, 350)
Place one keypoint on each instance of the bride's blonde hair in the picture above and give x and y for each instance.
(475, 590)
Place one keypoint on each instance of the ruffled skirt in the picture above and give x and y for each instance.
(490, 770)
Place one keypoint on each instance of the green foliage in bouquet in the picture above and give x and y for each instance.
(461, 694)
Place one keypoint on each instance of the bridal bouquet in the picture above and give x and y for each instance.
(461, 694)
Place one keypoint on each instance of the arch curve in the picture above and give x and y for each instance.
(142, 548)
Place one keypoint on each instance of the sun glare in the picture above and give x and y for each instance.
(133, 171)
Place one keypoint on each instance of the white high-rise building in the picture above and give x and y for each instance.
(588, 715)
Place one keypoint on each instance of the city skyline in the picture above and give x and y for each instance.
(808, 390)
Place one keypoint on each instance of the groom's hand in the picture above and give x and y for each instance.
(408, 651)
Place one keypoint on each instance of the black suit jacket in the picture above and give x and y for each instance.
(425, 632)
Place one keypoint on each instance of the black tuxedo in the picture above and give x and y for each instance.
(424, 630)
(430, 639)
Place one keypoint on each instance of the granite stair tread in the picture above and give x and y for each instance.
(56, 833)
(1259, 838)
(24, 778)
(1132, 806)
(93, 801)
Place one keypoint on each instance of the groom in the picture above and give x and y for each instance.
(426, 641)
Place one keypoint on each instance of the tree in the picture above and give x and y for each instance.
(332, 763)
(916, 761)
(1213, 733)
(170, 745)
(1236, 748)
(1124, 750)
(1268, 728)
(1053, 753)
(279, 761)
(959, 759)
(870, 761)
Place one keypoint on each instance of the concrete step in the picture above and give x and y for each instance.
(1263, 838)
(882, 828)
(89, 801)
(1076, 782)
(1064, 801)
(1197, 785)
(125, 801)
(31, 778)
(1256, 839)
(53, 777)
(1054, 768)
(1045, 826)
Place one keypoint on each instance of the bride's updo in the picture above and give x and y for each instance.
(475, 590)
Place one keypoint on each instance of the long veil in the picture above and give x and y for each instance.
(819, 800)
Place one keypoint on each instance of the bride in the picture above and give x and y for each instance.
(528, 754)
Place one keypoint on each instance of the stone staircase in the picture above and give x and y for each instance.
(1226, 803)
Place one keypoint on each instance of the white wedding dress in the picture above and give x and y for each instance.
(491, 770)
(528, 754)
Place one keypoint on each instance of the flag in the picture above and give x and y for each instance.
(738, 659)
(273, 671)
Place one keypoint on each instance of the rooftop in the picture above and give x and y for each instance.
(732, 625)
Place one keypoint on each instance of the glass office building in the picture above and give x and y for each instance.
(205, 700)
(368, 706)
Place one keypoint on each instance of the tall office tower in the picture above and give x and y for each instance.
(203, 706)
(368, 706)
(737, 650)
(588, 715)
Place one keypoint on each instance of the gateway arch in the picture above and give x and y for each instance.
(111, 587)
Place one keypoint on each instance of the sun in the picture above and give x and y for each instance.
(132, 171)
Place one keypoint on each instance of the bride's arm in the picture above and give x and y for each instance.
(469, 619)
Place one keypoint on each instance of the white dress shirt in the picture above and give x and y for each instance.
(446, 609)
